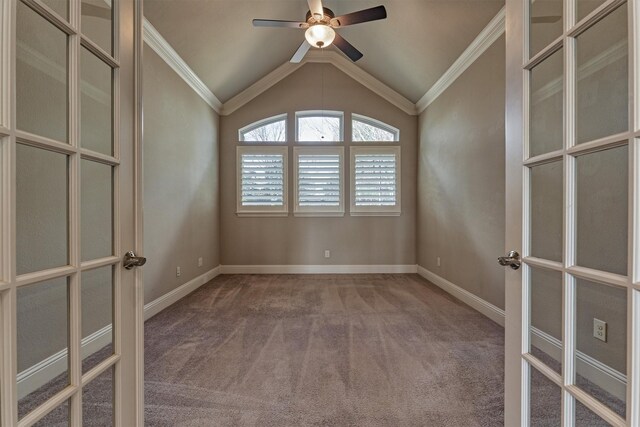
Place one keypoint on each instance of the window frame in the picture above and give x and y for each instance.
(319, 113)
(264, 211)
(264, 122)
(375, 123)
(318, 211)
(395, 210)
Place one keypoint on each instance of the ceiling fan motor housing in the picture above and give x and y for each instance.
(328, 16)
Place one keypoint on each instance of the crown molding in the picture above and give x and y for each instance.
(259, 87)
(494, 29)
(156, 42)
(331, 57)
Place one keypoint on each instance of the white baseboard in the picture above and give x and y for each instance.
(157, 305)
(604, 376)
(595, 371)
(42, 372)
(318, 269)
(491, 311)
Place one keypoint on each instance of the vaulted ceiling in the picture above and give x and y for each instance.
(408, 51)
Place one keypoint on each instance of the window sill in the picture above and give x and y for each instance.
(318, 214)
(261, 214)
(375, 213)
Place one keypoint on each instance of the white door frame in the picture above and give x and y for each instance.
(128, 341)
(138, 173)
(515, 367)
(517, 362)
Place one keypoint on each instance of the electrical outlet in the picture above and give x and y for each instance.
(178, 272)
(200, 262)
(327, 254)
(600, 329)
(438, 261)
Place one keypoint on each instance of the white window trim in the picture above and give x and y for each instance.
(247, 211)
(375, 210)
(317, 211)
(264, 122)
(320, 113)
(375, 123)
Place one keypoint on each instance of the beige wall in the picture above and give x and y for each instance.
(461, 196)
(461, 179)
(302, 240)
(181, 180)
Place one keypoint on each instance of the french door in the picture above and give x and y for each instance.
(70, 314)
(573, 122)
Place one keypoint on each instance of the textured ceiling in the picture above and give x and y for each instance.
(408, 51)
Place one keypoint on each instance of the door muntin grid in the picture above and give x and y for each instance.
(66, 143)
(574, 266)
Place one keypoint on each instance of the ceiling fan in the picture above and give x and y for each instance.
(320, 25)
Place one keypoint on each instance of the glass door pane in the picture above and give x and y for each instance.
(546, 317)
(602, 210)
(97, 401)
(59, 417)
(602, 86)
(96, 103)
(42, 209)
(96, 210)
(545, 23)
(97, 23)
(43, 342)
(545, 115)
(97, 316)
(545, 401)
(41, 76)
(598, 304)
(546, 211)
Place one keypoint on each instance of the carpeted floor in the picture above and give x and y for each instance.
(330, 350)
(321, 350)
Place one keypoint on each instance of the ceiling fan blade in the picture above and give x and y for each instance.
(347, 48)
(279, 24)
(545, 19)
(301, 52)
(317, 11)
(359, 17)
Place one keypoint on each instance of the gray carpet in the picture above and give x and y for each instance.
(331, 350)
(545, 398)
(97, 396)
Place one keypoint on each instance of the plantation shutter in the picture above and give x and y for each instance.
(375, 179)
(262, 180)
(319, 180)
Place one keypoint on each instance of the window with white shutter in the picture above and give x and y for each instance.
(375, 181)
(318, 181)
(262, 181)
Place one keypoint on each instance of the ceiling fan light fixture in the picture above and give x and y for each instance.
(320, 35)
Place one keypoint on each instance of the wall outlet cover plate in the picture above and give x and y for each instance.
(600, 329)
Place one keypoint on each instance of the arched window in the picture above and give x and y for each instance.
(366, 129)
(272, 129)
(319, 126)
